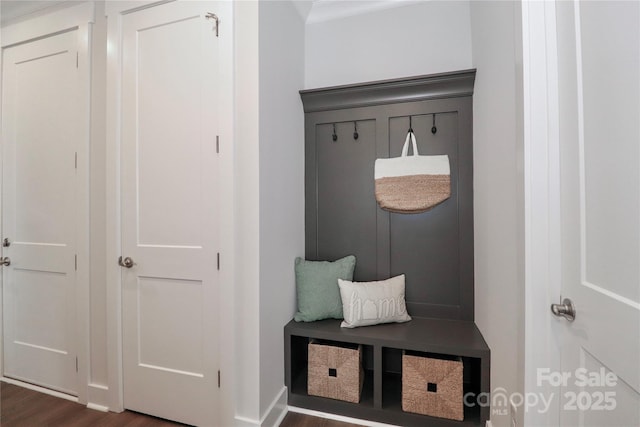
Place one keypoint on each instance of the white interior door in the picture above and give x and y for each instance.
(170, 212)
(41, 134)
(599, 123)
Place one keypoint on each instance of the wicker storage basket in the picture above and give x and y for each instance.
(432, 386)
(335, 371)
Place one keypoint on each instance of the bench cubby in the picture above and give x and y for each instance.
(383, 346)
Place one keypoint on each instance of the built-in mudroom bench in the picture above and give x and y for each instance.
(347, 129)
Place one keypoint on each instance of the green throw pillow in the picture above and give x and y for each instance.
(317, 288)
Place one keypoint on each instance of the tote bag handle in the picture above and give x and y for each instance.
(405, 147)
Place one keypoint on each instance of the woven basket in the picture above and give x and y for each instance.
(335, 371)
(432, 387)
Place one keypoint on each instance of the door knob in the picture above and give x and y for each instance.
(126, 262)
(566, 310)
(5, 261)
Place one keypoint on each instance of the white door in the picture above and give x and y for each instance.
(42, 131)
(169, 212)
(598, 61)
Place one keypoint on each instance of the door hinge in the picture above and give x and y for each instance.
(76, 160)
(76, 364)
(218, 260)
(218, 144)
(77, 60)
(76, 262)
(218, 379)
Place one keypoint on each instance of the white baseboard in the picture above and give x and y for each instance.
(272, 417)
(97, 393)
(98, 397)
(40, 389)
(245, 422)
(97, 407)
(277, 410)
(339, 417)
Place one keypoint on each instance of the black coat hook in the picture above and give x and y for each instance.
(334, 136)
(434, 129)
(355, 130)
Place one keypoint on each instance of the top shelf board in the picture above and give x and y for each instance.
(452, 337)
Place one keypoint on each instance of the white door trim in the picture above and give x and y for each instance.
(80, 17)
(542, 199)
(115, 12)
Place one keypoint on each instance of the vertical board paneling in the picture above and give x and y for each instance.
(346, 201)
(426, 247)
(433, 249)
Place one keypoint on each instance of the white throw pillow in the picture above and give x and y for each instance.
(372, 303)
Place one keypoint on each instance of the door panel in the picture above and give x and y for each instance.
(610, 146)
(598, 68)
(159, 311)
(168, 84)
(41, 133)
(169, 212)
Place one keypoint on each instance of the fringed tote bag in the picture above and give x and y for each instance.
(412, 184)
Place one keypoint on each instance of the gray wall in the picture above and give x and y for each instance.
(281, 51)
(420, 38)
(498, 197)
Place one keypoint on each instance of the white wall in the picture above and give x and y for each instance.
(247, 213)
(281, 38)
(98, 293)
(498, 196)
(269, 182)
(423, 38)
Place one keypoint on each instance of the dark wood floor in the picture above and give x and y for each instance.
(20, 407)
(298, 420)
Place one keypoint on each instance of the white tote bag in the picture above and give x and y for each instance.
(412, 184)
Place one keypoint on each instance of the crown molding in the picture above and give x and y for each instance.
(327, 10)
(410, 89)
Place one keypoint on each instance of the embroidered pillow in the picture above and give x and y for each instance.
(372, 303)
(317, 288)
